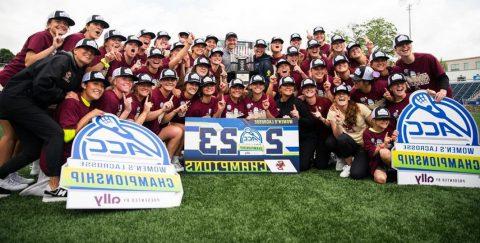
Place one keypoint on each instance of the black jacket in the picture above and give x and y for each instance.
(47, 80)
(263, 66)
(306, 122)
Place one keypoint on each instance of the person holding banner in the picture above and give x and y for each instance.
(292, 107)
(141, 105)
(72, 115)
(27, 96)
(423, 70)
(235, 104)
(259, 105)
(348, 120)
(93, 30)
(378, 141)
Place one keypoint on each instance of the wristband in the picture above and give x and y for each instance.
(105, 63)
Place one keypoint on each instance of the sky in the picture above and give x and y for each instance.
(446, 28)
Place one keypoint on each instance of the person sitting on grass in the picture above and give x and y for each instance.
(378, 141)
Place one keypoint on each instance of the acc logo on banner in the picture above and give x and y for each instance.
(438, 143)
(121, 161)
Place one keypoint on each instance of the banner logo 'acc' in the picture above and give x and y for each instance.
(108, 138)
(425, 121)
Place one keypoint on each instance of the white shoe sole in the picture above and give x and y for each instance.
(23, 186)
(4, 195)
(54, 199)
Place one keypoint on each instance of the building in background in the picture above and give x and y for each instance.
(464, 69)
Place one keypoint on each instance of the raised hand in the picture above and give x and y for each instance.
(148, 105)
(221, 103)
(127, 102)
(266, 103)
(57, 41)
(294, 113)
(387, 95)
(169, 104)
(327, 85)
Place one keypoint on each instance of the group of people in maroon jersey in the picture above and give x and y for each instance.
(346, 97)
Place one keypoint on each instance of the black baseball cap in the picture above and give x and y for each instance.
(364, 73)
(378, 54)
(257, 79)
(216, 50)
(132, 38)
(381, 113)
(260, 42)
(342, 88)
(146, 32)
(199, 41)
(183, 33)
(90, 44)
(177, 45)
(286, 81)
(201, 61)
(336, 38)
(318, 29)
(230, 34)
(155, 52)
(168, 73)
(276, 38)
(400, 39)
(193, 77)
(308, 82)
(351, 45)
(295, 36)
(95, 76)
(292, 51)
(144, 78)
(61, 15)
(281, 61)
(338, 59)
(208, 37)
(114, 33)
(317, 62)
(163, 34)
(208, 80)
(236, 83)
(124, 72)
(396, 78)
(98, 19)
(312, 43)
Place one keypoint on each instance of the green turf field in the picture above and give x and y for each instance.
(312, 206)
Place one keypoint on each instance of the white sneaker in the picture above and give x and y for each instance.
(178, 167)
(22, 180)
(9, 184)
(340, 163)
(38, 188)
(35, 167)
(4, 193)
(345, 171)
(57, 195)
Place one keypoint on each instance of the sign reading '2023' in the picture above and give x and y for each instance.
(438, 144)
(239, 145)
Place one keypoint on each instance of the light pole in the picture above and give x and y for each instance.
(409, 8)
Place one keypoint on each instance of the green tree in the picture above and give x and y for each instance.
(5, 55)
(378, 30)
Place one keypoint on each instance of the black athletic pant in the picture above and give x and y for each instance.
(36, 130)
(344, 146)
(313, 150)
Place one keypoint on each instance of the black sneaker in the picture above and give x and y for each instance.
(57, 195)
(4, 192)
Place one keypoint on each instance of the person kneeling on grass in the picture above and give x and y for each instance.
(73, 114)
(25, 100)
(378, 141)
(348, 120)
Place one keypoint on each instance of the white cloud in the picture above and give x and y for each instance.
(447, 29)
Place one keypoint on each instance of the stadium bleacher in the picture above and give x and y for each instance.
(464, 91)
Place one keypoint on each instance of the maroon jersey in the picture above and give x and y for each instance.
(123, 63)
(276, 59)
(423, 73)
(371, 139)
(71, 40)
(200, 109)
(109, 103)
(234, 110)
(142, 57)
(157, 99)
(374, 98)
(323, 105)
(354, 64)
(36, 43)
(180, 117)
(395, 109)
(325, 49)
(155, 76)
(137, 107)
(255, 108)
(297, 77)
(320, 90)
